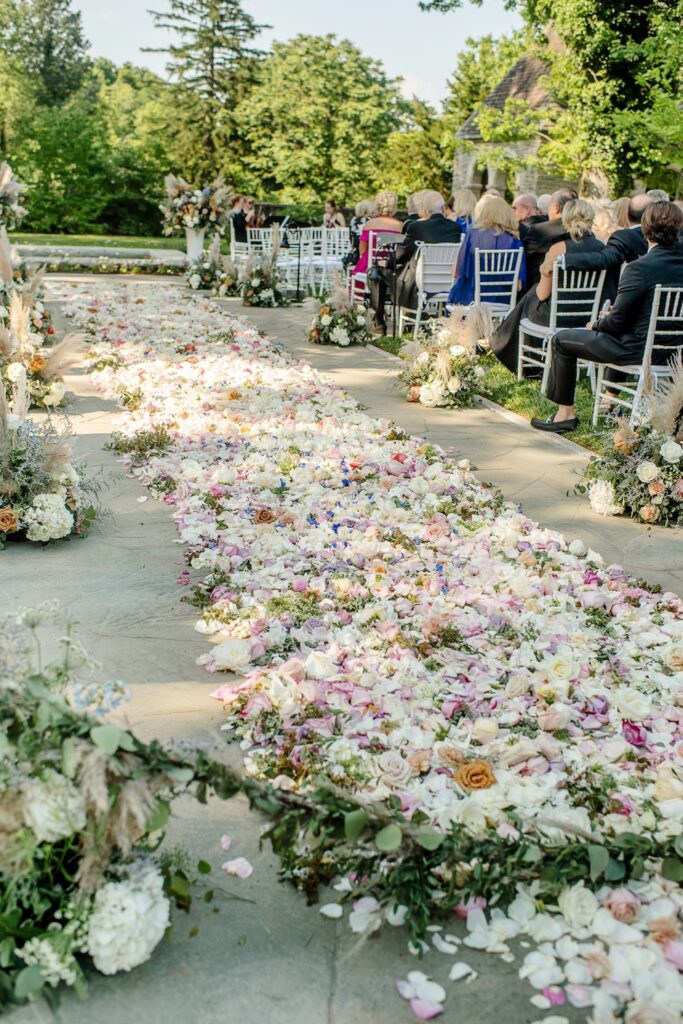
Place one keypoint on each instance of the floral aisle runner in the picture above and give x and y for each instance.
(398, 632)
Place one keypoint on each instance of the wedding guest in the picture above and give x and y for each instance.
(658, 194)
(543, 202)
(385, 220)
(412, 207)
(619, 336)
(333, 217)
(494, 226)
(243, 216)
(527, 212)
(620, 210)
(605, 223)
(577, 220)
(539, 237)
(623, 246)
(462, 204)
(364, 211)
(434, 229)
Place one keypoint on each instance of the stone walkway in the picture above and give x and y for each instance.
(265, 957)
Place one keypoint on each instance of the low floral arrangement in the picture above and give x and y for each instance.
(214, 272)
(43, 496)
(642, 473)
(199, 208)
(12, 208)
(338, 322)
(443, 368)
(260, 283)
(82, 808)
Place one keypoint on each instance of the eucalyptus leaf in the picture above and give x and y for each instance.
(429, 838)
(672, 869)
(389, 838)
(354, 823)
(598, 858)
(159, 816)
(28, 983)
(106, 737)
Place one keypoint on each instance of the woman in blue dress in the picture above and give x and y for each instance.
(494, 226)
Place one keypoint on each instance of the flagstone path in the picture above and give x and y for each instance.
(261, 956)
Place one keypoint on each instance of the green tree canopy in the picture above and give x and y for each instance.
(44, 39)
(317, 121)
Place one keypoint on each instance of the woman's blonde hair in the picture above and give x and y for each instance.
(365, 208)
(493, 212)
(620, 210)
(605, 223)
(578, 216)
(463, 202)
(386, 203)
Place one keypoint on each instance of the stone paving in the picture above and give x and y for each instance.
(265, 957)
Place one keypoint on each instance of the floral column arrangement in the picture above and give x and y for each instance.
(194, 210)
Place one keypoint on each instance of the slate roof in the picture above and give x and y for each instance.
(521, 82)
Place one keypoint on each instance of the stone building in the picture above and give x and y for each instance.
(524, 81)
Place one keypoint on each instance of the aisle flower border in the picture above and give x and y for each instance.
(567, 699)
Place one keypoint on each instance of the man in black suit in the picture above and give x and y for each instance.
(624, 246)
(399, 273)
(527, 212)
(619, 336)
(540, 237)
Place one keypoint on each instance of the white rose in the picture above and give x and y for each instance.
(560, 667)
(578, 548)
(325, 320)
(55, 393)
(668, 786)
(15, 371)
(393, 769)
(642, 1012)
(631, 704)
(232, 655)
(578, 905)
(128, 921)
(671, 451)
(53, 807)
(484, 729)
(320, 666)
(195, 281)
(454, 384)
(647, 472)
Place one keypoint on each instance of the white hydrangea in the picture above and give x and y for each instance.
(128, 921)
(47, 518)
(66, 476)
(340, 336)
(52, 807)
(603, 498)
(195, 281)
(432, 394)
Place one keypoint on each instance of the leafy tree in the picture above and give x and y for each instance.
(317, 121)
(214, 67)
(419, 155)
(480, 67)
(45, 38)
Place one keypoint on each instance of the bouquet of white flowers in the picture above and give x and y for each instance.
(338, 322)
(214, 271)
(189, 207)
(260, 283)
(43, 496)
(12, 208)
(444, 368)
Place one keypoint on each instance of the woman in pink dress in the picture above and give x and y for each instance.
(386, 205)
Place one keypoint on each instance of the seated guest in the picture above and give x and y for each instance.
(363, 212)
(494, 226)
(385, 220)
(623, 246)
(619, 336)
(462, 204)
(658, 194)
(412, 208)
(577, 220)
(620, 211)
(543, 202)
(434, 229)
(539, 237)
(243, 216)
(527, 212)
(605, 223)
(333, 217)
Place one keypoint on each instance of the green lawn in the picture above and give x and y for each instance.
(525, 398)
(103, 241)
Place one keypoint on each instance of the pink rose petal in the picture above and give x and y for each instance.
(239, 867)
(424, 1010)
(226, 843)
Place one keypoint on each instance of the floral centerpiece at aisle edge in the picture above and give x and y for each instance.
(43, 496)
(12, 208)
(642, 473)
(443, 365)
(260, 282)
(337, 321)
(214, 271)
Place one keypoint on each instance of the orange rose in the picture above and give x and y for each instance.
(450, 757)
(649, 513)
(475, 775)
(413, 393)
(233, 395)
(8, 521)
(656, 487)
(264, 515)
(37, 364)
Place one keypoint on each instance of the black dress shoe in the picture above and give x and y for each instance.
(561, 427)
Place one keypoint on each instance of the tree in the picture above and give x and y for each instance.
(45, 38)
(480, 67)
(418, 155)
(214, 67)
(317, 121)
